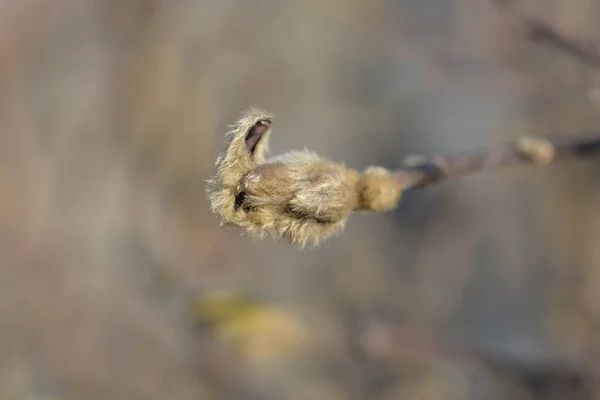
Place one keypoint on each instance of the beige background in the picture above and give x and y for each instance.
(111, 115)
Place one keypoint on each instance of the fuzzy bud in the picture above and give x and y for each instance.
(297, 195)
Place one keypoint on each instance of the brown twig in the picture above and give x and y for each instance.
(524, 151)
(541, 32)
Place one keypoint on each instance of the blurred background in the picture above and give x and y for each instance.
(116, 281)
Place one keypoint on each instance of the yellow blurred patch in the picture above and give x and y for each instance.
(260, 331)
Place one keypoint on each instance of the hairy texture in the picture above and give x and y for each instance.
(378, 190)
(238, 161)
(298, 195)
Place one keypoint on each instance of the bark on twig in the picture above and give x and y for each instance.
(524, 151)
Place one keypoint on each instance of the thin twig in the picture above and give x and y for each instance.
(523, 151)
(541, 32)
(584, 50)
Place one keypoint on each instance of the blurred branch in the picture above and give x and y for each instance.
(540, 374)
(543, 33)
(525, 150)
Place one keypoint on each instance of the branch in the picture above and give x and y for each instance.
(541, 374)
(305, 198)
(525, 150)
(543, 33)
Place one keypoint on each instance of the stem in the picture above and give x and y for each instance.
(441, 167)
(523, 151)
(541, 32)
